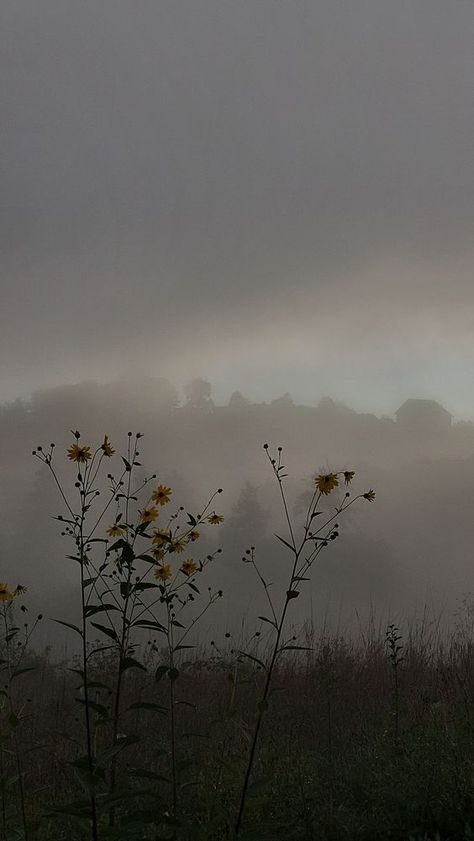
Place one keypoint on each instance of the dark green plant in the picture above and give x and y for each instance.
(133, 586)
(14, 662)
(394, 645)
(304, 550)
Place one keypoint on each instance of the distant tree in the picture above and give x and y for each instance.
(283, 402)
(326, 404)
(198, 394)
(248, 517)
(238, 401)
(329, 406)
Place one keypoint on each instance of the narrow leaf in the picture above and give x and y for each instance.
(109, 632)
(68, 625)
(288, 545)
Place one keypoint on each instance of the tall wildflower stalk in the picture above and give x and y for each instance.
(303, 549)
(129, 581)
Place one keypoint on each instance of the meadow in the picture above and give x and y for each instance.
(277, 733)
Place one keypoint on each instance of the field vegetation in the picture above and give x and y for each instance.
(277, 733)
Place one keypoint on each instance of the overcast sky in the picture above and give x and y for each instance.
(273, 194)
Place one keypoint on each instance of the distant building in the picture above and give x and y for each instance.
(425, 416)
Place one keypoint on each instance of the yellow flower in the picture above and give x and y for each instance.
(158, 553)
(370, 495)
(148, 515)
(107, 448)
(189, 567)
(348, 476)
(5, 594)
(115, 531)
(160, 537)
(162, 495)
(79, 454)
(193, 536)
(163, 572)
(19, 590)
(326, 482)
(178, 545)
(214, 519)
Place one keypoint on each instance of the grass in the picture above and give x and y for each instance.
(328, 764)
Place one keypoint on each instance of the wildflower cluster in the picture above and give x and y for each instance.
(132, 573)
(328, 482)
(7, 594)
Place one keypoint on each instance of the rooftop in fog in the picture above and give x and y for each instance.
(418, 410)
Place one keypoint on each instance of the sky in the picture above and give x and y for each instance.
(274, 195)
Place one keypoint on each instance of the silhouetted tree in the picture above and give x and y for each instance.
(248, 518)
(238, 401)
(283, 402)
(198, 394)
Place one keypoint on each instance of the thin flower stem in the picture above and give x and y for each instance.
(86, 689)
(174, 782)
(292, 591)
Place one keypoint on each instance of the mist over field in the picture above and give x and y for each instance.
(407, 554)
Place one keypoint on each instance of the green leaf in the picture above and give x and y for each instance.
(143, 585)
(131, 663)
(151, 626)
(98, 708)
(95, 684)
(147, 705)
(288, 545)
(90, 610)
(128, 555)
(109, 632)
(22, 671)
(141, 529)
(149, 558)
(255, 659)
(68, 625)
(270, 621)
